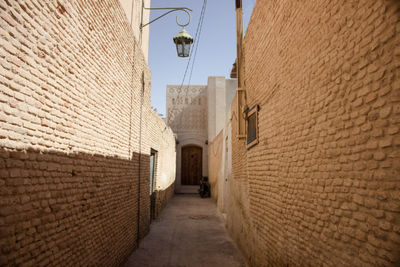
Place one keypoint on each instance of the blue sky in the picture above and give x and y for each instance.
(216, 50)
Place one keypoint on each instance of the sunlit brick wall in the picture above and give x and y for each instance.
(161, 139)
(134, 13)
(322, 186)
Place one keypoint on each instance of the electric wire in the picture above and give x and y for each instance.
(197, 44)
(196, 40)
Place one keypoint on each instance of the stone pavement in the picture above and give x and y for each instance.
(189, 232)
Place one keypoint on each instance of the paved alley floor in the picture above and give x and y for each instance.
(189, 232)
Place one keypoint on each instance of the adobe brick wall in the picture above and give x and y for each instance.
(134, 13)
(160, 138)
(215, 163)
(78, 209)
(162, 197)
(322, 186)
(238, 220)
(71, 79)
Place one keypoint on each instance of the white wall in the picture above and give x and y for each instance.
(230, 91)
(187, 117)
(220, 93)
(197, 114)
(133, 11)
(226, 162)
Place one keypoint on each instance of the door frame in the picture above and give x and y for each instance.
(152, 182)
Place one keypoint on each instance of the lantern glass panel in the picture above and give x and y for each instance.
(179, 49)
(186, 50)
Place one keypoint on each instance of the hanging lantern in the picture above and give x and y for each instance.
(183, 41)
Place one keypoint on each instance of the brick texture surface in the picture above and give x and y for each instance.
(322, 186)
(161, 199)
(160, 138)
(73, 87)
(77, 209)
(215, 163)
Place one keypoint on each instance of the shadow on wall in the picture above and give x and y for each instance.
(71, 208)
(162, 197)
(215, 165)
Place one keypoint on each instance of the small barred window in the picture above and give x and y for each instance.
(252, 127)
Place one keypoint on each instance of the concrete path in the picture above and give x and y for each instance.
(189, 232)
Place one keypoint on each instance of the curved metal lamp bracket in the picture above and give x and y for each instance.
(171, 9)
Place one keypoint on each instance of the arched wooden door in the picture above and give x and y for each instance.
(191, 165)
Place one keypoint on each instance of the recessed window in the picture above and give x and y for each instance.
(252, 127)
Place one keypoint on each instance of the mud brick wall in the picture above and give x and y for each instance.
(73, 87)
(78, 209)
(322, 186)
(215, 163)
(161, 140)
(162, 198)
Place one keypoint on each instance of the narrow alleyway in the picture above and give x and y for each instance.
(189, 232)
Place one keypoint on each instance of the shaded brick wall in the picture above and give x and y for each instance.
(162, 197)
(238, 221)
(78, 209)
(322, 186)
(215, 163)
(71, 80)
